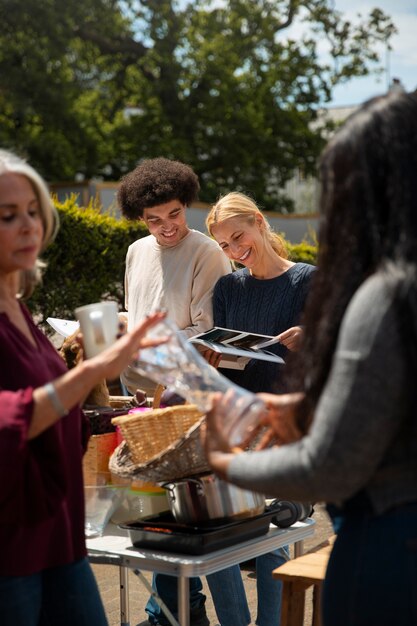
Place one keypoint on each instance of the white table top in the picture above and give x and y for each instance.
(115, 547)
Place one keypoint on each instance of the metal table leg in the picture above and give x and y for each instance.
(159, 600)
(124, 596)
(184, 601)
(298, 548)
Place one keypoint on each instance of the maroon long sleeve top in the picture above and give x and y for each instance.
(41, 484)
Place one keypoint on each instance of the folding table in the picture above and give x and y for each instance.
(115, 548)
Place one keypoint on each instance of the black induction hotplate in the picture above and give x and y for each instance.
(162, 532)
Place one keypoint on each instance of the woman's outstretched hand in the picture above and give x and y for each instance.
(280, 419)
(125, 350)
(73, 387)
(218, 451)
(278, 423)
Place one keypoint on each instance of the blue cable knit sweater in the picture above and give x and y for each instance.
(268, 307)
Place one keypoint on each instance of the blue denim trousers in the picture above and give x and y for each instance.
(371, 578)
(60, 596)
(229, 597)
(167, 588)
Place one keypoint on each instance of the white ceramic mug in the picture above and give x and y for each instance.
(99, 323)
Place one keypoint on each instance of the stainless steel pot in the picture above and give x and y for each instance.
(208, 497)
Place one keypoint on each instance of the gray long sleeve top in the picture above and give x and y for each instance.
(363, 435)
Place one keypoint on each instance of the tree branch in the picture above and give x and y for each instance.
(131, 50)
(292, 9)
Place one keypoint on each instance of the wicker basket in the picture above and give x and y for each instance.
(149, 433)
(96, 459)
(182, 458)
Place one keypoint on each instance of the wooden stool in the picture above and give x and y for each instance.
(297, 576)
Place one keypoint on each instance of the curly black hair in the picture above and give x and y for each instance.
(154, 182)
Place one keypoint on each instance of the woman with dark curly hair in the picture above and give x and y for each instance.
(174, 268)
(358, 401)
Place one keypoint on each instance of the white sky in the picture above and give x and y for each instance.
(400, 63)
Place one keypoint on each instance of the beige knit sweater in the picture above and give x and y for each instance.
(180, 279)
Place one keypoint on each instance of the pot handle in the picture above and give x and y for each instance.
(170, 486)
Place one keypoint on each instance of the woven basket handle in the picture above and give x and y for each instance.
(157, 396)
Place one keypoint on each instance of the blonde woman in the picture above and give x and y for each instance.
(266, 296)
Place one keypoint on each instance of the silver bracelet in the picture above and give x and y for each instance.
(54, 399)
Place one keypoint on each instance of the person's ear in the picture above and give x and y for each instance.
(259, 221)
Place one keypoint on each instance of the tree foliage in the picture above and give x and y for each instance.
(85, 263)
(229, 87)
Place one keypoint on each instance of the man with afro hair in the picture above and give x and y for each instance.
(174, 268)
(155, 182)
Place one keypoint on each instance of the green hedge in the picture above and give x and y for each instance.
(302, 252)
(85, 263)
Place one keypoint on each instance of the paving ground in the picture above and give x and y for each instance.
(108, 581)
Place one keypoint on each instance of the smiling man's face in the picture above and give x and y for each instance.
(166, 222)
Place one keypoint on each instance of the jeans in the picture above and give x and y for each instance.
(371, 577)
(60, 596)
(167, 588)
(229, 597)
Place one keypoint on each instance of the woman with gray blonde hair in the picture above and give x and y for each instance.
(45, 577)
(9, 162)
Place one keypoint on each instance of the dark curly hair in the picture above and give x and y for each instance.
(368, 224)
(154, 182)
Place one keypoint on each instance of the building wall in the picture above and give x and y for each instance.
(294, 227)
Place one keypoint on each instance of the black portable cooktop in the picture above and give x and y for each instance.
(162, 532)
